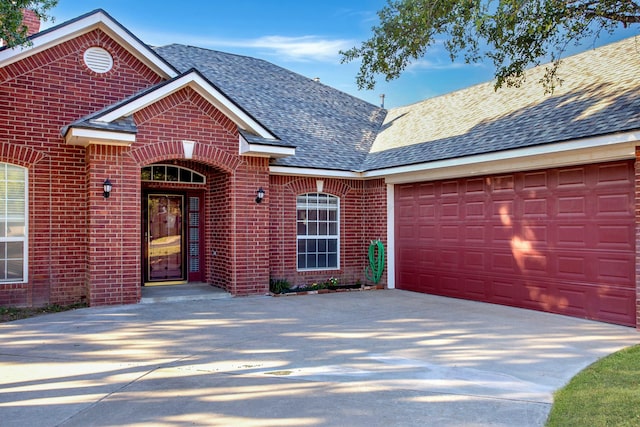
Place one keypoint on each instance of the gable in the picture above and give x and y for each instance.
(96, 20)
(114, 125)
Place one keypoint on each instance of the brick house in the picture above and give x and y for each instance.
(125, 166)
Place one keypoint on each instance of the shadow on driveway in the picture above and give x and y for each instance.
(374, 358)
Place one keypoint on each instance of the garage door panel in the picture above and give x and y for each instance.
(428, 258)
(475, 288)
(571, 299)
(449, 188)
(571, 177)
(615, 236)
(614, 304)
(502, 210)
(572, 267)
(506, 292)
(501, 234)
(427, 210)
(572, 206)
(473, 260)
(535, 295)
(474, 233)
(571, 235)
(449, 210)
(448, 258)
(614, 174)
(533, 264)
(560, 240)
(535, 208)
(474, 209)
(502, 183)
(426, 233)
(450, 285)
(535, 235)
(503, 263)
(535, 181)
(615, 270)
(475, 186)
(449, 232)
(406, 231)
(613, 205)
(425, 190)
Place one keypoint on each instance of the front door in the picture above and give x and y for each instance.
(173, 240)
(165, 239)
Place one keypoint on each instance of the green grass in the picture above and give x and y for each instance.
(607, 393)
(7, 314)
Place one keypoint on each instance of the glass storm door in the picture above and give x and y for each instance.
(165, 239)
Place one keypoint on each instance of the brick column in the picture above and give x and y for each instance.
(113, 260)
(250, 229)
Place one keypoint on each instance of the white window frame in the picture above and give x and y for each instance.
(25, 237)
(305, 237)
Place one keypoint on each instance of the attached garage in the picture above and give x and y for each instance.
(559, 240)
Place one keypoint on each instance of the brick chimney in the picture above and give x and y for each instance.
(31, 21)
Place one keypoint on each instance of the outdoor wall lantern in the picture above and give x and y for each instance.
(259, 195)
(106, 188)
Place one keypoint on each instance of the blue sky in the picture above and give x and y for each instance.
(301, 35)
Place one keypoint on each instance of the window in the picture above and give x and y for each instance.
(318, 231)
(170, 173)
(13, 223)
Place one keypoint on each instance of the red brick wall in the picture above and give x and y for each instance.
(363, 218)
(218, 246)
(38, 96)
(85, 247)
(236, 242)
(114, 227)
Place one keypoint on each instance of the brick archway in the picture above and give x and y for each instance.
(174, 150)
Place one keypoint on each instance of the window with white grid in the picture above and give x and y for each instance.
(318, 230)
(13, 223)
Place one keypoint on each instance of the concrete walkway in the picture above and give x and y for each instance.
(377, 358)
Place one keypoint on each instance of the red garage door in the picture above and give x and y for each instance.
(559, 240)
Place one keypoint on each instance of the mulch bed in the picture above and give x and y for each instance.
(330, 290)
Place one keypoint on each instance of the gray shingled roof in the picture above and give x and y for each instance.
(127, 124)
(330, 129)
(600, 95)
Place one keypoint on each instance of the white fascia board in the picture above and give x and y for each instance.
(82, 26)
(316, 173)
(261, 150)
(139, 50)
(49, 39)
(85, 137)
(589, 150)
(202, 87)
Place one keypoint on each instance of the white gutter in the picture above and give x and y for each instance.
(588, 150)
(319, 173)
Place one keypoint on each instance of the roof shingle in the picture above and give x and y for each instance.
(330, 129)
(600, 94)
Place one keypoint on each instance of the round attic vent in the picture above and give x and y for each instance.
(98, 59)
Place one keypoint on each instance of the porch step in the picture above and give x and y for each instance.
(188, 292)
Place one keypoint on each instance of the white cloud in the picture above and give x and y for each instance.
(301, 48)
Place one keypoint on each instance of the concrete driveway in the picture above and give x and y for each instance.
(376, 358)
